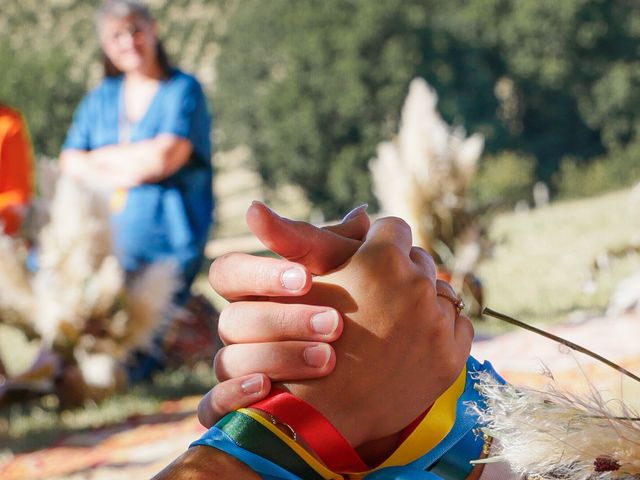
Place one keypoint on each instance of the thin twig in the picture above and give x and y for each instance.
(560, 340)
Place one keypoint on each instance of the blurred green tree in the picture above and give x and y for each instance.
(503, 180)
(574, 70)
(312, 87)
(39, 85)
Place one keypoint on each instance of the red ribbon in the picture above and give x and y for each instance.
(318, 433)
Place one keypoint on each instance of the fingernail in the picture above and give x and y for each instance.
(293, 279)
(355, 212)
(264, 205)
(318, 355)
(325, 323)
(252, 384)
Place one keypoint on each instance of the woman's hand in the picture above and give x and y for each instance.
(273, 339)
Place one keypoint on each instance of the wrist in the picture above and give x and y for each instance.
(356, 420)
(204, 463)
(311, 428)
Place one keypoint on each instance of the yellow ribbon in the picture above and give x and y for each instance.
(433, 428)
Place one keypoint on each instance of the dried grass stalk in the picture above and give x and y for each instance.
(149, 300)
(72, 247)
(16, 295)
(78, 301)
(423, 175)
(555, 434)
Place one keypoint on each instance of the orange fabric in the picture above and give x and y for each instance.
(15, 168)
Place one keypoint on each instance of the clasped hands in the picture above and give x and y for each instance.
(349, 319)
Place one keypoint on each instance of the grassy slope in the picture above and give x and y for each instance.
(542, 258)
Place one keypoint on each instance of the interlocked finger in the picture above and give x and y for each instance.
(255, 322)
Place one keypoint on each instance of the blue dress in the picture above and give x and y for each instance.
(169, 219)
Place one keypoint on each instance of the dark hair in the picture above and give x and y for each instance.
(123, 9)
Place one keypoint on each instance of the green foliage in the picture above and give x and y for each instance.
(39, 85)
(504, 179)
(311, 90)
(559, 55)
(617, 170)
(312, 86)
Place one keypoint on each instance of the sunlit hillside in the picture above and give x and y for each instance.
(542, 267)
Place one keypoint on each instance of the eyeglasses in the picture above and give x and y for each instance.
(132, 29)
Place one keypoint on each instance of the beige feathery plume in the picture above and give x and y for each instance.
(555, 434)
(429, 165)
(16, 295)
(78, 301)
(105, 287)
(149, 299)
(422, 176)
(72, 247)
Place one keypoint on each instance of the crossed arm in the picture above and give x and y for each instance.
(127, 165)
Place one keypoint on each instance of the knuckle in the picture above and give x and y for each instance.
(427, 257)
(388, 254)
(439, 327)
(280, 319)
(217, 269)
(394, 223)
(421, 251)
(423, 287)
(446, 288)
(218, 364)
(226, 321)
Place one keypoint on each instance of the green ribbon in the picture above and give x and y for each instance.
(251, 435)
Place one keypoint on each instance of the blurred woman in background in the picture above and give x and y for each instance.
(143, 135)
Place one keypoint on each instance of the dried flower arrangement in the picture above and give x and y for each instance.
(423, 176)
(77, 301)
(555, 434)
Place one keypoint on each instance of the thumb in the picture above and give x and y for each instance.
(318, 249)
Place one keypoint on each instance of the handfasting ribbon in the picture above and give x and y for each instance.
(256, 436)
(318, 433)
(441, 444)
(431, 431)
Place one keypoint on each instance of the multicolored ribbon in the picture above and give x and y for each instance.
(441, 446)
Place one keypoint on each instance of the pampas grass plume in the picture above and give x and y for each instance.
(554, 434)
(149, 300)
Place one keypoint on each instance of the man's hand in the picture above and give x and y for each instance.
(204, 463)
(402, 344)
